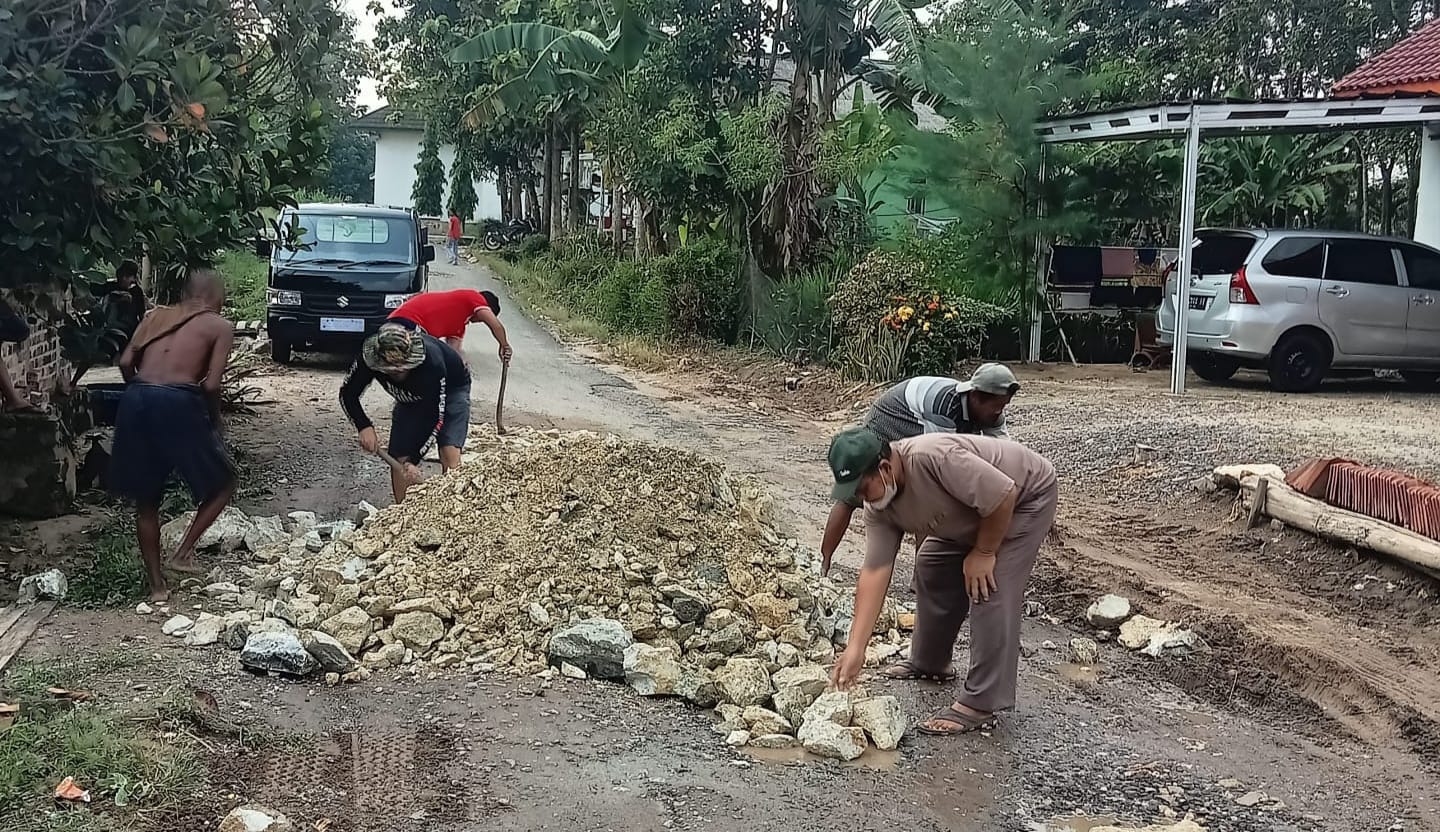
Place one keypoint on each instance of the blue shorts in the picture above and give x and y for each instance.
(413, 426)
(162, 429)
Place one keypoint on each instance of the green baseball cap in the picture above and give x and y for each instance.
(853, 454)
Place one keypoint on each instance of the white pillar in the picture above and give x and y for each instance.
(1187, 237)
(1427, 202)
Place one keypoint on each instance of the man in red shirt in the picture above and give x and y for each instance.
(446, 314)
(452, 241)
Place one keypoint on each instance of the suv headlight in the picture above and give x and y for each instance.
(282, 297)
(394, 301)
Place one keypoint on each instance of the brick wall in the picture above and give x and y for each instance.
(35, 365)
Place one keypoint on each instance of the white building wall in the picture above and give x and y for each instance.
(397, 151)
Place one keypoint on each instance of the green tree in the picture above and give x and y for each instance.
(462, 181)
(991, 69)
(429, 186)
(167, 128)
(352, 165)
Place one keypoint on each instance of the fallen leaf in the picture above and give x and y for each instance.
(196, 109)
(67, 790)
(205, 701)
(157, 133)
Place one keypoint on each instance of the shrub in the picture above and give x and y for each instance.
(612, 299)
(793, 321)
(533, 246)
(933, 329)
(704, 290)
(864, 295)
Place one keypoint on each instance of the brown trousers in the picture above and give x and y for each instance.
(942, 605)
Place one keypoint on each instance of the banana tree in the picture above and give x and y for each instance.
(563, 73)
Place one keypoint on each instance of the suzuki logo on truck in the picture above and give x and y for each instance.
(342, 301)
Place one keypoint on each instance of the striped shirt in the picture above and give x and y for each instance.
(926, 404)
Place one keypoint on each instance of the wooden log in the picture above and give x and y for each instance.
(1317, 517)
(16, 636)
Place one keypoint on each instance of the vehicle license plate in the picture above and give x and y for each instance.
(1199, 302)
(342, 325)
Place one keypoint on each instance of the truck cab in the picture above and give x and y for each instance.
(337, 272)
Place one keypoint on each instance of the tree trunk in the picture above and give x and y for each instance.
(532, 203)
(577, 209)
(555, 219)
(502, 191)
(1364, 170)
(547, 209)
(1387, 197)
(1412, 174)
(617, 218)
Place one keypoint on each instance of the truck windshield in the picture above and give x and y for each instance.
(338, 239)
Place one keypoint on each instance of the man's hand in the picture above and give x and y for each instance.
(979, 575)
(847, 670)
(506, 353)
(369, 442)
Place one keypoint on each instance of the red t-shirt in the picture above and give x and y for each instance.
(456, 231)
(442, 314)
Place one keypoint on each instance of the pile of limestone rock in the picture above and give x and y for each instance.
(567, 553)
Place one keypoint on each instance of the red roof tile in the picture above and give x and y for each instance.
(1411, 62)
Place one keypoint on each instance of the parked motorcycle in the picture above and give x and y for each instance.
(498, 236)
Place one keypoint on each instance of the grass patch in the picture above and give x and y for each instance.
(542, 302)
(128, 770)
(246, 277)
(114, 576)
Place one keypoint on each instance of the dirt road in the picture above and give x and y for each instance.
(1320, 689)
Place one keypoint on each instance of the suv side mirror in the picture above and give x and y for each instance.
(263, 248)
(427, 254)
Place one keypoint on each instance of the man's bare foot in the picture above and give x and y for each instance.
(19, 406)
(160, 595)
(185, 563)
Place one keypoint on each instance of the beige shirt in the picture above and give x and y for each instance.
(951, 482)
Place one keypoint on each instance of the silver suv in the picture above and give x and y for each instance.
(1298, 304)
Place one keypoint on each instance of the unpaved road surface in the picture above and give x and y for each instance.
(1322, 688)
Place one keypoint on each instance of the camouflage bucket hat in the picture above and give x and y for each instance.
(393, 349)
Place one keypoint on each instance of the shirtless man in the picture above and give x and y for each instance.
(169, 420)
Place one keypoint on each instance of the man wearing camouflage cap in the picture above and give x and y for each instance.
(929, 404)
(431, 388)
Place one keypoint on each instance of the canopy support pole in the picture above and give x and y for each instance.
(1187, 244)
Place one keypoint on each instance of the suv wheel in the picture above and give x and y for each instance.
(280, 351)
(1213, 368)
(1421, 380)
(1299, 362)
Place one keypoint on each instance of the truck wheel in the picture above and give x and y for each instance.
(1299, 362)
(1213, 368)
(280, 351)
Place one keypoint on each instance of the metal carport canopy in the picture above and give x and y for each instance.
(1197, 119)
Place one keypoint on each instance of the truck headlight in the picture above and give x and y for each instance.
(282, 297)
(394, 301)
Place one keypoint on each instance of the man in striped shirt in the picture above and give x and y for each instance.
(929, 404)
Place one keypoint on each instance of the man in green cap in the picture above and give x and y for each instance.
(929, 404)
(431, 388)
(984, 506)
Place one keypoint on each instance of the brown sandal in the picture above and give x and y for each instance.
(967, 722)
(906, 671)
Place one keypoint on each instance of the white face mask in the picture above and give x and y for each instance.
(884, 502)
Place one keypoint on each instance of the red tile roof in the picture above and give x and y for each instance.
(1412, 65)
